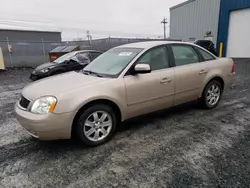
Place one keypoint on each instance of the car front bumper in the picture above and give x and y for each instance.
(45, 127)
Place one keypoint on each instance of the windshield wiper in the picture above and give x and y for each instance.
(88, 72)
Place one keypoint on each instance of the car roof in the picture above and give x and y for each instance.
(150, 44)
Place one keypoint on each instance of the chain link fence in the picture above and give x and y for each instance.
(32, 54)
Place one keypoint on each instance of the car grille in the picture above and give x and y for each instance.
(24, 103)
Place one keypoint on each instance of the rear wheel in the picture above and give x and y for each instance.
(212, 94)
(96, 125)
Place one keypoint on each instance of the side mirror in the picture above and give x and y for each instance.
(142, 69)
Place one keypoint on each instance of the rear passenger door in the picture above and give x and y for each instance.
(190, 73)
(209, 61)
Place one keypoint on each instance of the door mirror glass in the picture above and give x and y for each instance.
(142, 69)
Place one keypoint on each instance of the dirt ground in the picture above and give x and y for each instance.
(181, 147)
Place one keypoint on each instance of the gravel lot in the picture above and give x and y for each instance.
(181, 147)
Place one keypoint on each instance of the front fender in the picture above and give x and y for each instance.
(74, 100)
(120, 105)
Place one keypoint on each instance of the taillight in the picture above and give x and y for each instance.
(233, 69)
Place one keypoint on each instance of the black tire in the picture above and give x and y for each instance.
(83, 117)
(204, 99)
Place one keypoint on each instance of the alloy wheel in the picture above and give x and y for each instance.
(213, 94)
(97, 126)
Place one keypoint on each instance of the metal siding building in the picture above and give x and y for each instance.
(228, 7)
(27, 35)
(29, 48)
(192, 19)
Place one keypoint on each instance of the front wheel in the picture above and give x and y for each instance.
(96, 125)
(212, 94)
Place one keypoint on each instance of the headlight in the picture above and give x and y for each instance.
(44, 70)
(44, 105)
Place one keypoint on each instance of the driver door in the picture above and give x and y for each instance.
(151, 91)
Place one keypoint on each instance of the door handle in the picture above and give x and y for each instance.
(165, 80)
(202, 72)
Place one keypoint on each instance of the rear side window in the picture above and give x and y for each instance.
(206, 56)
(184, 55)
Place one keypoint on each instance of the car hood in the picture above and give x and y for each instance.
(45, 66)
(58, 84)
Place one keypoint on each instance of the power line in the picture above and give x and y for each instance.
(78, 22)
(63, 29)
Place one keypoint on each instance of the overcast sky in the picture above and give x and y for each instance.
(131, 18)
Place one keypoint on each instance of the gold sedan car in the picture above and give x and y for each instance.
(125, 82)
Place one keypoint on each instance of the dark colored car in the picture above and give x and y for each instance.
(76, 60)
(208, 45)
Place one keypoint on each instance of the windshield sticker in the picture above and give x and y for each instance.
(125, 53)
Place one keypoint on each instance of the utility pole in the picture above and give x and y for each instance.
(109, 41)
(89, 37)
(44, 58)
(164, 22)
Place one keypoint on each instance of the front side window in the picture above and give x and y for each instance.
(206, 55)
(184, 55)
(157, 58)
(113, 62)
(94, 55)
(83, 58)
(65, 57)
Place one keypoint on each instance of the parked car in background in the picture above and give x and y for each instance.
(76, 60)
(208, 45)
(125, 82)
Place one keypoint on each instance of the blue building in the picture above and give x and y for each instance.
(225, 22)
(234, 28)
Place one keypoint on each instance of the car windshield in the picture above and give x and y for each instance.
(112, 62)
(65, 57)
